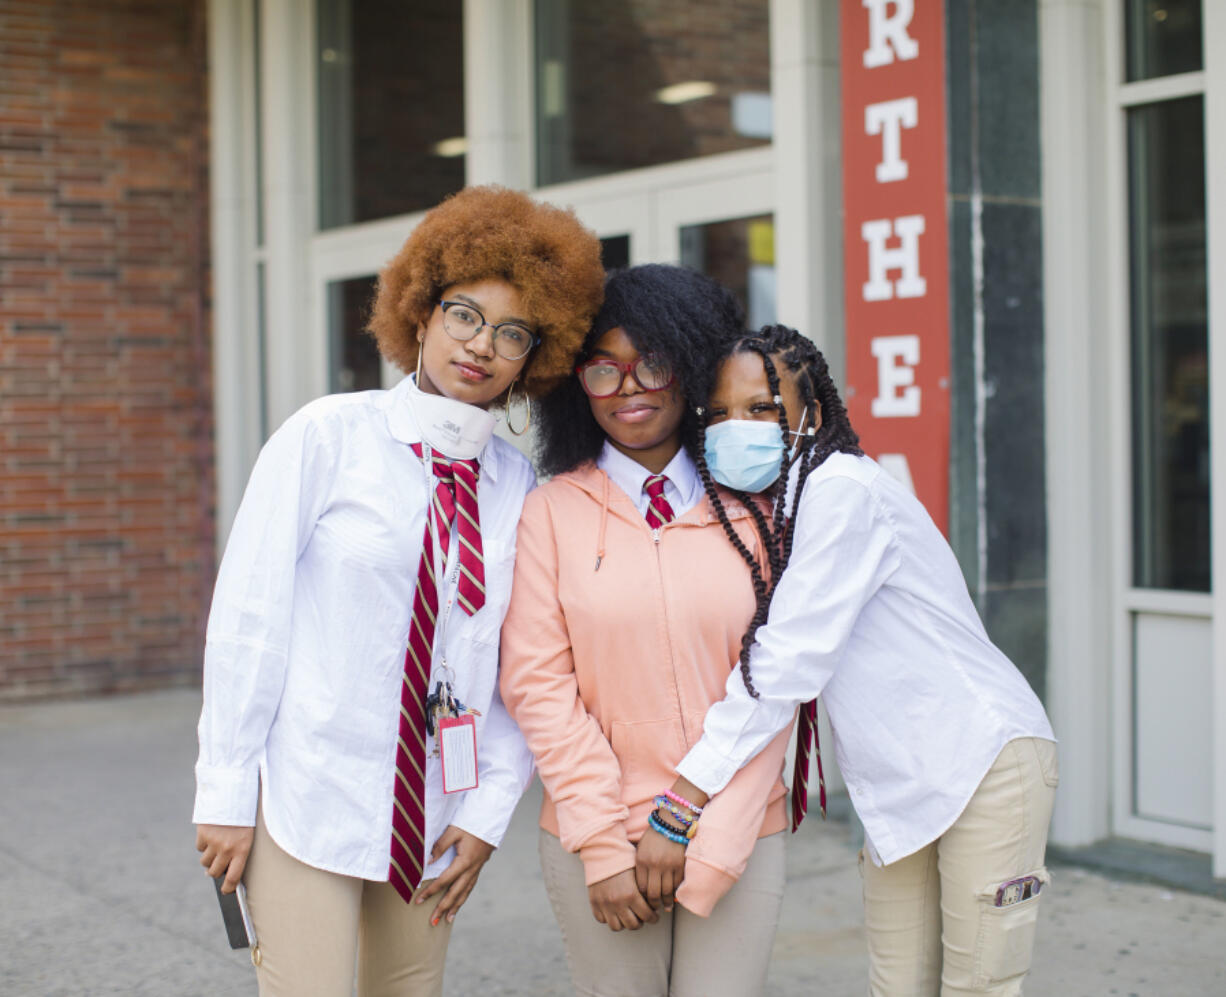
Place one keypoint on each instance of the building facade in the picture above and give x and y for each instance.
(1000, 220)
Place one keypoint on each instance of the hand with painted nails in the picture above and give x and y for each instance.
(455, 882)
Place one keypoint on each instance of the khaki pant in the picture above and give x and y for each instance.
(314, 927)
(932, 920)
(682, 954)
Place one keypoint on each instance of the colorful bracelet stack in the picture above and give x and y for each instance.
(660, 827)
(675, 806)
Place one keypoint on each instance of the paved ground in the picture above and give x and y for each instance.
(102, 894)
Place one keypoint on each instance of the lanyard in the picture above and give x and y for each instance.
(452, 584)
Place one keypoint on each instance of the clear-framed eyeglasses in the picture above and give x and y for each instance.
(462, 321)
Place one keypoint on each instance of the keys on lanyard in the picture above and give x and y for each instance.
(444, 704)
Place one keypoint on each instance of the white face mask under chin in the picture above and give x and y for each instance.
(455, 429)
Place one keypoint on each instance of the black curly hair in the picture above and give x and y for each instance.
(670, 311)
(806, 364)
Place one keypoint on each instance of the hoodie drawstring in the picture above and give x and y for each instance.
(604, 521)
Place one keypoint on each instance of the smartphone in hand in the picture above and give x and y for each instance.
(235, 915)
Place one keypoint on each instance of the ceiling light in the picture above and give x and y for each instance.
(681, 93)
(449, 148)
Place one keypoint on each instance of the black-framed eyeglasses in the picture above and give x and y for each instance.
(602, 378)
(462, 321)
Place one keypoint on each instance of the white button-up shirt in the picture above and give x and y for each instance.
(682, 490)
(307, 634)
(873, 614)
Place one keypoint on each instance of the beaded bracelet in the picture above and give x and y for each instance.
(660, 827)
(681, 801)
(688, 828)
(662, 803)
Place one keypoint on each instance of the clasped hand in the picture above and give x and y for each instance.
(632, 898)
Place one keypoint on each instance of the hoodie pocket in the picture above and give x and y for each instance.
(646, 751)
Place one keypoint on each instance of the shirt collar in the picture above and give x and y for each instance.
(403, 427)
(629, 475)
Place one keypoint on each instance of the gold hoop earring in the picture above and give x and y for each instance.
(527, 408)
(421, 348)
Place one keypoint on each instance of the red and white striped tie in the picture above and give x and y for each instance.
(806, 739)
(455, 492)
(659, 511)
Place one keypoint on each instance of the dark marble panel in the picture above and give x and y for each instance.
(963, 490)
(959, 63)
(1016, 620)
(1013, 375)
(1007, 99)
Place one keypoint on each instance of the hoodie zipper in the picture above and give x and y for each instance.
(655, 536)
(668, 635)
(655, 539)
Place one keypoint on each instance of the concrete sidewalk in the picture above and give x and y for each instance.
(102, 893)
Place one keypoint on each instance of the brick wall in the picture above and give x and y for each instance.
(106, 490)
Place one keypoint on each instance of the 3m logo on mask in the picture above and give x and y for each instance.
(454, 428)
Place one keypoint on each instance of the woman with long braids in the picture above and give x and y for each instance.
(948, 756)
(357, 767)
(626, 618)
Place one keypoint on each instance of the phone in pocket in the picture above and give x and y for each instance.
(1017, 890)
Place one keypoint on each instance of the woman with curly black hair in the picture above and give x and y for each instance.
(355, 758)
(948, 756)
(626, 617)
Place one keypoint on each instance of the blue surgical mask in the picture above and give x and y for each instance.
(744, 455)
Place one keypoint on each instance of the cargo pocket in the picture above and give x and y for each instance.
(1008, 914)
(1049, 763)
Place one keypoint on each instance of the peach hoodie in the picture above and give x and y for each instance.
(616, 642)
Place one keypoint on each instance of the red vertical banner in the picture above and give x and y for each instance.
(896, 240)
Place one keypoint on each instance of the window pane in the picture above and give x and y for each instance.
(391, 107)
(628, 83)
(615, 252)
(740, 254)
(353, 357)
(1163, 37)
(1170, 370)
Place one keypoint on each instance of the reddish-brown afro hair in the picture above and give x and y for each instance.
(481, 232)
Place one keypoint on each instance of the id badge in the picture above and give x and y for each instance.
(457, 746)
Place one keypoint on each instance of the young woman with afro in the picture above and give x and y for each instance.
(356, 615)
(948, 756)
(626, 618)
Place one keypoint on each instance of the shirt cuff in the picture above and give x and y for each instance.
(706, 768)
(486, 813)
(226, 795)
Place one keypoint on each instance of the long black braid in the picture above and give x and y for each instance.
(805, 362)
(761, 589)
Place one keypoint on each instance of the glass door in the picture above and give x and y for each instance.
(1164, 704)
